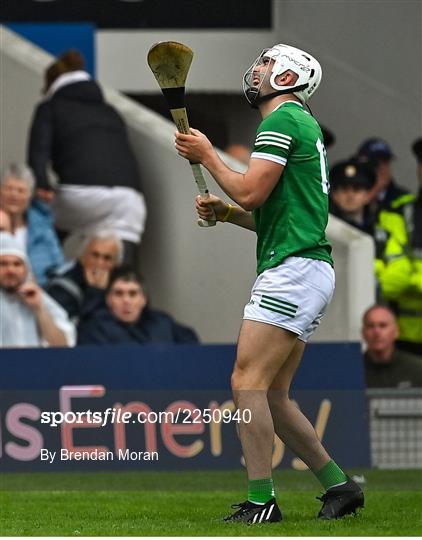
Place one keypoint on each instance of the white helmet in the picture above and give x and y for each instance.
(285, 57)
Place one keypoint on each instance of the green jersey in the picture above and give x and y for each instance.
(293, 219)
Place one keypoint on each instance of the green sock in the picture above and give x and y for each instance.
(331, 475)
(260, 491)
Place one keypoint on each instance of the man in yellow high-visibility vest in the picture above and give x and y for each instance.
(399, 262)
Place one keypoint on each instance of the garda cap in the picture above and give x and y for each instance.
(352, 172)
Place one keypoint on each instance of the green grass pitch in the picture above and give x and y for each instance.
(193, 503)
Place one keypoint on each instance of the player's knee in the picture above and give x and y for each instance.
(278, 398)
(241, 378)
(247, 379)
(236, 380)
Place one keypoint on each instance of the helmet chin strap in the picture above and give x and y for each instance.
(257, 100)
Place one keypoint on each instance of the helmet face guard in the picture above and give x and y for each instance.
(285, 58)
(250, 89)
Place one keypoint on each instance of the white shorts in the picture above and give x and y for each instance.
(84, 210)
(293, 295)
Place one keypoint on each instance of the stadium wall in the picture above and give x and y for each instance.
(202, 277)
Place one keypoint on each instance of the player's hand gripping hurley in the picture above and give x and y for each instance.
(170, 62)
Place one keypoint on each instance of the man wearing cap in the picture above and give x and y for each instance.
(351, 182)
(29, 316)
(385, 193)
(399, 262)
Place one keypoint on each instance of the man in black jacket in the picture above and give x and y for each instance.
(128, 319)
(85, 140)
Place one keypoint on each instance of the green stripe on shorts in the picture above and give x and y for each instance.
(279, 303)
(264, 304)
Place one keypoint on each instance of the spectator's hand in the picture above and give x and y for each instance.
(97, 277)
(31, 295)
(46, 195)
(211, 208)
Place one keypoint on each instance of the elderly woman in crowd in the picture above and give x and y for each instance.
(31, 221)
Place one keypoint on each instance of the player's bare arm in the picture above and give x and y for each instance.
(215, 208)
(250, 190)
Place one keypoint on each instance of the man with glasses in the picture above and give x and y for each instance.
(79, 286)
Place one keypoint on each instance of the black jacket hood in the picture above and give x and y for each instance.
(80, 91)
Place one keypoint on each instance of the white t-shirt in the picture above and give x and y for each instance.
(21, 237)
(18, 325)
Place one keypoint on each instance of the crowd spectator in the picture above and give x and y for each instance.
(351, 182)
(385, 365)
(29, 316)
(5, 222)
(386, 193)
(79, 286)
(128, 318)
(417, 209)
(86, 141)
(399, 265)
(31, 221)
